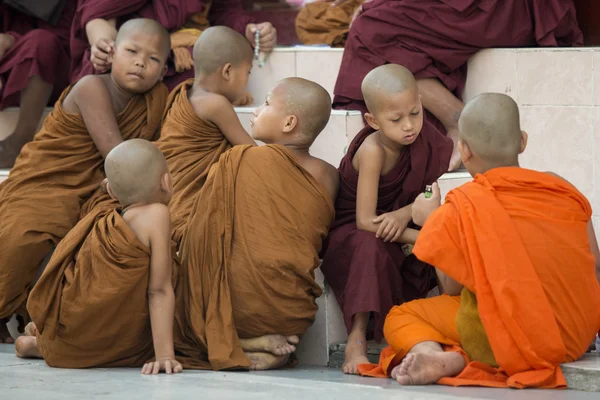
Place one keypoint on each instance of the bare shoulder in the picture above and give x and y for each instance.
(326, 174)
(207, 105)
(369, 151)
(89, 85)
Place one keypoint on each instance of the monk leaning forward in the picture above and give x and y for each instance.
(60, 169)
(519, 248)
(247, 289)
(387, 165)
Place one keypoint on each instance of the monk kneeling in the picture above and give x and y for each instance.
(518, 247)
(106, 297)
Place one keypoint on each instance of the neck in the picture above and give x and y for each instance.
(390, 144)
(489, 166)
(120, 97)
(207, 83)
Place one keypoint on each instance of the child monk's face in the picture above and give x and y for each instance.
(269, 119)
(399, 116)
(237, 83)
(139, 62)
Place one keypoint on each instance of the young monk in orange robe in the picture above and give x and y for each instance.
(106, 297)
(518, 247)
(200, 123)
(60, 169)
(252, 244)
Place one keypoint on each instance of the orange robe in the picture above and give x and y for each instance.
(191, 146)
(91, 303)
(320, 23)
(517, 239)
(249, 256)
(51, 179)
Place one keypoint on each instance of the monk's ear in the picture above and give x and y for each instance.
(291, 122)
(164, 72)
(166, 183)
(465, 151)
(226, 71)
(110, 191)
(372, 121)
(524, 138)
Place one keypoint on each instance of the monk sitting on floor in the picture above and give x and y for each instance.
(200, 123)
(247, 289)
(60, 169)
(519, 248)
(106, 297)
(387, 165)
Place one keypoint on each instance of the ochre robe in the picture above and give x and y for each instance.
(249, 256)
(436, 38)
(320, 23)
(90, 305)
(52, 177)
(517, 239)
(191, 146)
(39, 49)
(365, 273)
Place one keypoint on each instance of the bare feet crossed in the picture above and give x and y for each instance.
(427, 368)
(26, 347)
(263, 361)
(275, 344)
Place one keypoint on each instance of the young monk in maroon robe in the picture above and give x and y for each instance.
(34, 70)
(387, 165)
(434, 39)
(61, 168)
(96, 22)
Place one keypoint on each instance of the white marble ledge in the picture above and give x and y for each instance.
(343, 113)
(589, 362)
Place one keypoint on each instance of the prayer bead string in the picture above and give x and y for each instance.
(260, 62)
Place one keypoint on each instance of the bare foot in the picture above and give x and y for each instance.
(5, 336)
(26, 347)
(427, 368)
(8, 153)
(31, 329)
(455, 160)
(356, 354)
(263, 361)
(274, 344)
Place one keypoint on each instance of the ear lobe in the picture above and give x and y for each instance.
(465, 151)
(372, 121)
(524, 139)
(226, 72)
(291, 121)
(166, 183)
(164, 72)
(110, 191)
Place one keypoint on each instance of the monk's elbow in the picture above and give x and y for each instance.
(364, 224)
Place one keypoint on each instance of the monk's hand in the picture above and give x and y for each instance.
(167, 364)
(392, 224)
(268, 35)
(102, 52)
(423, 206)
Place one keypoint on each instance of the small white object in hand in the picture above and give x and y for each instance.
(260, 62)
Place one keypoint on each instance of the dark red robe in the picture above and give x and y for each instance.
(172, 14)
(436, 38)
(365, 273)
(39, 49)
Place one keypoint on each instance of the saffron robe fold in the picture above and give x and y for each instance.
(249, 256)
(518, 240)
(365, 273)
(39, 49)
(52, 177)
(320, 23)
(91, 303)
(436, 38)
(191, 146)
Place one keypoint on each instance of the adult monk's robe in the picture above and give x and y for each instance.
(320, 23)
(172, 14)
(517, 240)
(249, 256)
(436, 38)
(191, 146)
(91, 303)
(39, 49)
(366, 273)
(52, 177)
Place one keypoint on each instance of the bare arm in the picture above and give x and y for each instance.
(91, 99)
(217, 109)
(101, 29)
(447, 285)
(370, 162)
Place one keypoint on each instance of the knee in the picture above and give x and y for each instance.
(44, 42)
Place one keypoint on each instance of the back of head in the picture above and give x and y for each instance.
(148, 27)
(134, 170)
(309, 102)
(384, 80)
(490, 125)
(217, 46)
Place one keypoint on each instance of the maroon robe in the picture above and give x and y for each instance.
(365, 273)
(436, 38)
(39, 49)
(172, 14)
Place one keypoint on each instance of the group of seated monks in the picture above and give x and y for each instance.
(45, 47)
(174, 241)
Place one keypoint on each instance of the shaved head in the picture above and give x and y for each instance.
(490, 125)
(386, 79)
(219, 45)
(148, 27)
(309, 102)
(134, 170)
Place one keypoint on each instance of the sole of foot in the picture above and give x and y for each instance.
(264, 361)
(427, 368)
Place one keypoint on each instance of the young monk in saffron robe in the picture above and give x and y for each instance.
(516, 254)
(61, 168)
(247, 290)
(387, 165)
(106, 297)
(434, 39)
(200, 123)
(34, 70)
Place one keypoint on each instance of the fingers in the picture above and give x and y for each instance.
(397, 235)
(381, 229)
(435, 191)
(386, 231)
(156, 368)
(178, 367)
(147, 368)
(168, 368)
(378, 219)
(251, 28)
(268, 36)
(391, 234)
